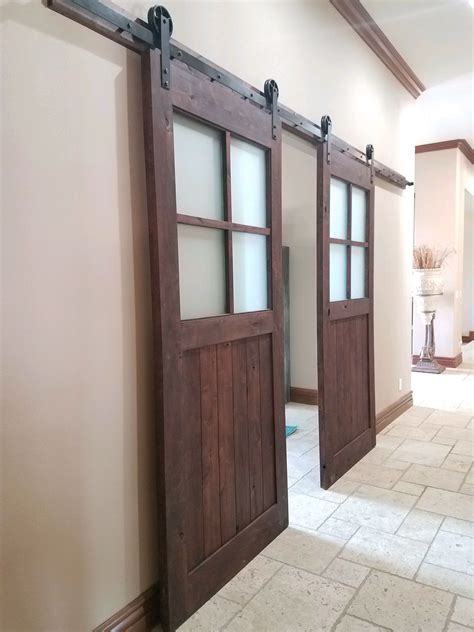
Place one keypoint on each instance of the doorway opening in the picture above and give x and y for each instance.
(299, 199)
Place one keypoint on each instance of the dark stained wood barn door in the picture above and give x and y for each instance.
(214, 201)
(345, 313)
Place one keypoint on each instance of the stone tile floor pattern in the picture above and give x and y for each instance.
(389, 547)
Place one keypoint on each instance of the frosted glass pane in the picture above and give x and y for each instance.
(338, 210)
(198, 168)
(358, 272)
(202, 286)
(248, 174)
(250, 272)
(359, 214)
(337, 272)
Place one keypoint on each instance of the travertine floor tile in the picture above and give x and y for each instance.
(434, 477)
(373, 474)
(424, 432)
(454, 525)
(307, 511)
(310, 550)
(420, 525)
(376, 507)
(457, 462)
(467, 489)
(401, 605)
(421, 452)
(352, 624)
(293, 600)
(458, 434)
(339, 528)
(455, 627)
(464, 612)
(466, 448)
(385, 552)
(445, 418)
(250, 579)
(454, 551)
(446, 503)
(446, 579)
(212, 616)
(408, 488)
(346, 572)
(298, 466)
(338, 492)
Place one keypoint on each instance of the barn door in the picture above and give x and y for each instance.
(213, 176)
(345, 313)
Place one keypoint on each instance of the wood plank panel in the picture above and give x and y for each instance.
(241, 437)
(210, 450)
(268, 422)
(191, 414)
(226, 441)
(255, 429)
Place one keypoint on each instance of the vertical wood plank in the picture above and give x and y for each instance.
(241, 437)
(210, 450)
(191, 413)
(267, 422)
(226, 441)
(255, 429)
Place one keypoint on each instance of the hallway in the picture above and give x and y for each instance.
(389, 547)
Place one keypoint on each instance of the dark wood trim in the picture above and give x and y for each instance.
(450, 363)
(348, 242)
(389, 414)
(140, 615)
(365, 26)
(469, 337)
(304, 395)
(219, 329)
(220, 224)
(349, 308)
(456, 143)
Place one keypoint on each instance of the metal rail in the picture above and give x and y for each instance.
(117, 24)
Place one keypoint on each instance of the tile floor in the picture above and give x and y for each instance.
(389, 547)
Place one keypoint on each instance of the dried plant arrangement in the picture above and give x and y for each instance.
(430, 257)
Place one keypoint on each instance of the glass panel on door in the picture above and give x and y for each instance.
(250, 272)
(337, 272)
(198, 168)
(339, 209)
(202, 269)
(248, 177)
(358, 289)
(359, 214)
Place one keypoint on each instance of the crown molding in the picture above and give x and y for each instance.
(363, 23)
(456, 143)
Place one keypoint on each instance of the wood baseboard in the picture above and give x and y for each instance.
(469, 337)
(140, 615)
(449, 363)
(389, 414)
(303, 395)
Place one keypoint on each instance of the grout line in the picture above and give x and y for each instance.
(349, 603)
(252, 598)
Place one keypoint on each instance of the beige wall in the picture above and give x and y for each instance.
(77, 457)
(442, 178)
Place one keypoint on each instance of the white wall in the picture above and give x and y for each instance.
(468, 266)
(77, 415)
(441, 180)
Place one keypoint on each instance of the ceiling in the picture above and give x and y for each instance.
(436, 38)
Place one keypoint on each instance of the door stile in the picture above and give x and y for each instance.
(158, 116)
(322, 294)
(276, 297)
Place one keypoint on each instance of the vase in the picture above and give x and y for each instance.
(427, 288)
